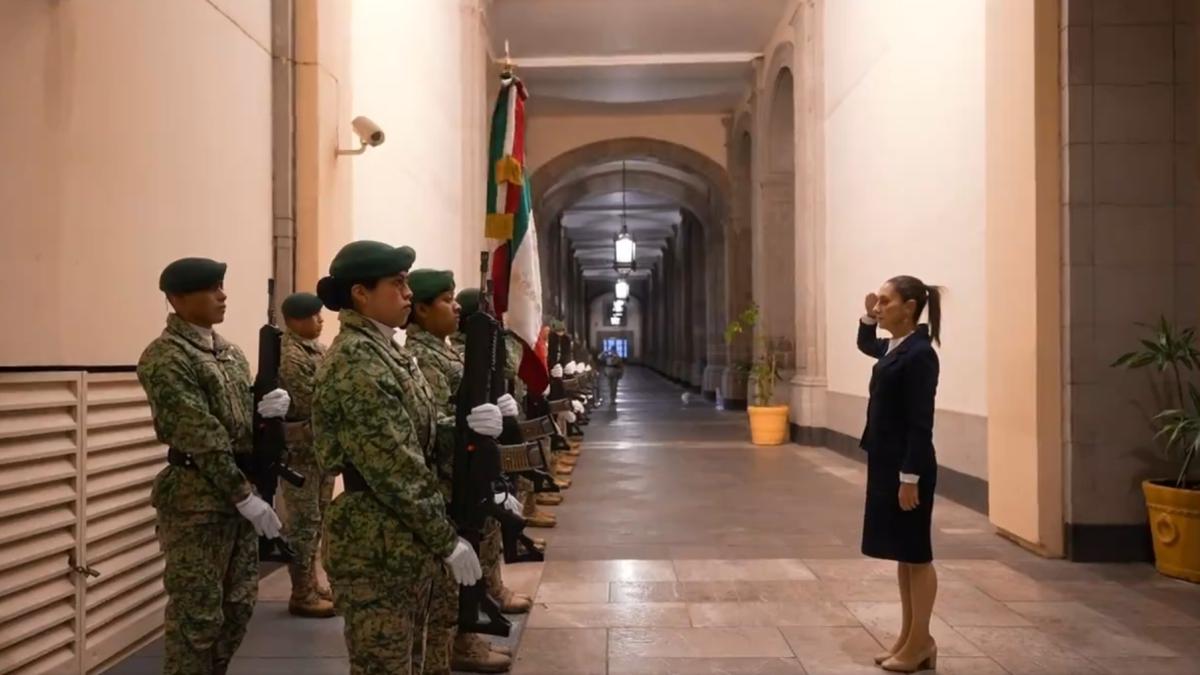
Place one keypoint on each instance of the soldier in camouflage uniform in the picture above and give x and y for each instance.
(387, 536)
(209, 518)
(435, 318)
(300, 354)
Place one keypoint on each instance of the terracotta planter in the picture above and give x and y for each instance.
(1175, 527)
(768, 424)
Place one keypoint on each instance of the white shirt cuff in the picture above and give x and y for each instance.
(868, 320)
(909, 478)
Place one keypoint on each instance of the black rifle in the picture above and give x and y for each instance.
(477, 462)
(268, 463)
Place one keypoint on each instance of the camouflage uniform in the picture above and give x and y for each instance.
(306, 505)
(443, 369)
(384, 548)
(199, 390)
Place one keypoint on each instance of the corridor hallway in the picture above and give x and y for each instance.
(684, 549)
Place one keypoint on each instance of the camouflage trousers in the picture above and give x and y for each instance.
(443, 610)
(491, 550)
(443, 624)
(303, 518)
(211, 579)
(385, 625)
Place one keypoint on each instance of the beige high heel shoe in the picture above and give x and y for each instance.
(928, 661)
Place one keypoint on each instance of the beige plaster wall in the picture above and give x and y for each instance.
(420, 71)
(904, 170)
(132, 133)
(1023, 359)
(324, 92)
(551, 135)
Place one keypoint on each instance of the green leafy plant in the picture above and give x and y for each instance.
(764, 369)
(1172, 353)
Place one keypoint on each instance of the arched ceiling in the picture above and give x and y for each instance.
(643, 183)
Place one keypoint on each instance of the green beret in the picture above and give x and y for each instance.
(367, 260)
(189, 275)
(557, 325)
(468, 300)
(428, 284)
(301, 306)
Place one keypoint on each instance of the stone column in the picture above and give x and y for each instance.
(698, 325)
(810, 384)
(714, 370)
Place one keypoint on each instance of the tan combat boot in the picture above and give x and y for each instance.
(562, 483)
(549, 499)
(474, 654)
(541, 519)
(304, 601)
(513, 603)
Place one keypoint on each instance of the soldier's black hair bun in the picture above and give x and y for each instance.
(330, 293)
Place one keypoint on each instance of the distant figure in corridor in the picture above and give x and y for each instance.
(901, 463)
(614, 368)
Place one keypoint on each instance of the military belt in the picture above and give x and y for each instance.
(180, 459)
(352, 480)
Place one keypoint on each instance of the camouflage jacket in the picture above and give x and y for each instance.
(298, 363)
(373, 408)
(202, 404)
(442, 367)
(458, 341)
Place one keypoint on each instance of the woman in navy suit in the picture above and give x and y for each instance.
(901, 464)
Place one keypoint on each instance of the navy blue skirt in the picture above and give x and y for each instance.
(890, 533)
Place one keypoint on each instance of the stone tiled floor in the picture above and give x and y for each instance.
(684, 550)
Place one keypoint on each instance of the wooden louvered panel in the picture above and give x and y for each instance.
(37, 448)
(110, 535)
(124, 605)
(47, 521)
(34, 391)
(48, 653)
(40, 457)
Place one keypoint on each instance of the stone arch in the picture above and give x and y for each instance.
(699, 185)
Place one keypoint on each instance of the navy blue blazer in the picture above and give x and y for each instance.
(899, 428)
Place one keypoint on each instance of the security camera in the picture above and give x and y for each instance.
(368, 132)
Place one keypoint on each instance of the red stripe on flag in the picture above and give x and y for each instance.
(533, 370)
(500, 271)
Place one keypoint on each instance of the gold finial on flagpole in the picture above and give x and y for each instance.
(507, 66)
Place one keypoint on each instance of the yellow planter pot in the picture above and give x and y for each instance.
(1175, 528)
(768, 424)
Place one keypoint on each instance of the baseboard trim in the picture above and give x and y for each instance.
(1109, 543)
(970, 491)
(732, 403)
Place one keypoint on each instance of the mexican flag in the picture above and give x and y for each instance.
(515, 272)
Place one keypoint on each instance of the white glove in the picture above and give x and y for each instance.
(486, 420)
(556, 371)
(577, 407)
(569, 417)
(510, 502)
(508, 406)
(571, 368)
(587, 367)
(275, 404)
(464, 564)
(261, 516)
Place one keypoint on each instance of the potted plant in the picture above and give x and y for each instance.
(768, 423)
(1173, 504)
